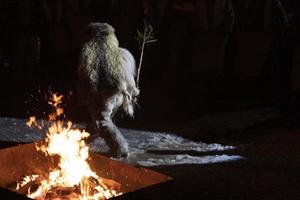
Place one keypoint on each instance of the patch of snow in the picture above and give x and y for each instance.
(167, 141)
(16, 130)
(141, 145)
(187, 159)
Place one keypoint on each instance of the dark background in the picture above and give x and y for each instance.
(224, 71)
(209, 55)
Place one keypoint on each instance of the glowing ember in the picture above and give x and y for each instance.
(72, 179)
(26, 180)
(55, 101)
(31, 121)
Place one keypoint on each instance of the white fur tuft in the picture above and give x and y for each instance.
(128, 61)
(131, 91)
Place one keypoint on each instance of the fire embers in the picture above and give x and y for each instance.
(72, 178)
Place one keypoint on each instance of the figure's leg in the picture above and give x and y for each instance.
(104, 126)
(114, 138)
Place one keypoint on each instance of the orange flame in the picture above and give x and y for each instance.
(73, 169)
(31, 122)
(55, 101)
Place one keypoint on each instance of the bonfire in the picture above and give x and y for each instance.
(73, 178)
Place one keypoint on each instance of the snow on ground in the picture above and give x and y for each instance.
(146, 148)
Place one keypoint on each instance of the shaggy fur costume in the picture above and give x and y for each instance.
(106, 83)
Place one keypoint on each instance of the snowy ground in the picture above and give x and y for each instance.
(146, 148)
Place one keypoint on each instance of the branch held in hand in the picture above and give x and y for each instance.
(143, 38)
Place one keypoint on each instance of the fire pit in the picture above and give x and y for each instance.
(62, 168)
(19, 161)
